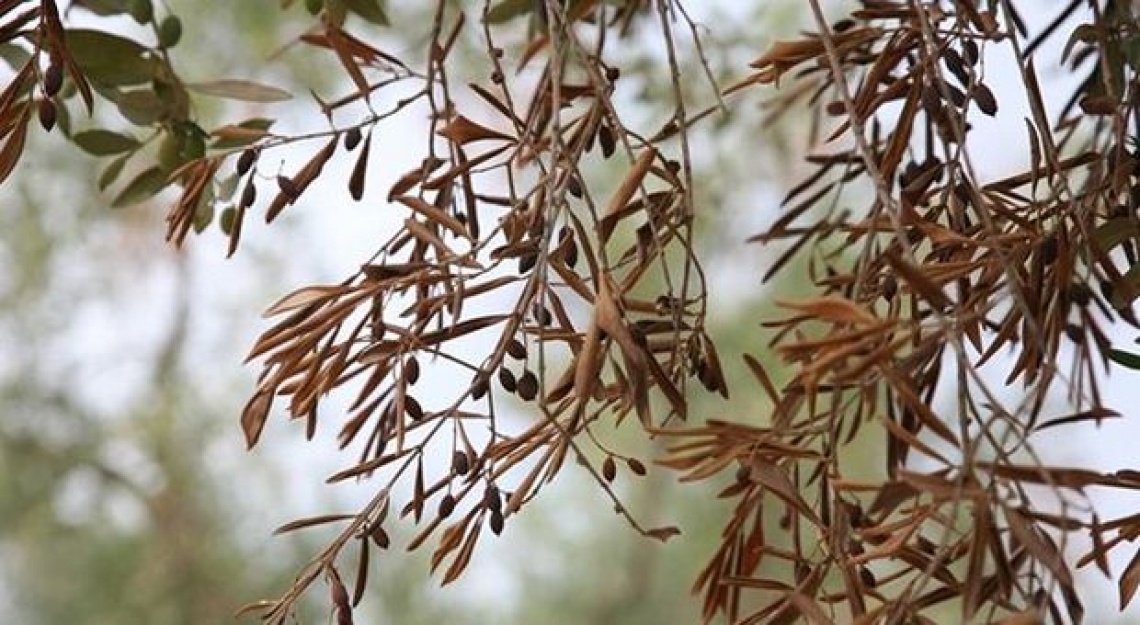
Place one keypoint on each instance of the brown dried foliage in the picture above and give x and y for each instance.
(936, 274)
(941, 272)
(601, 322)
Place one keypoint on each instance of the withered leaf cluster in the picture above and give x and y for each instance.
(941, 286)
(520, 270)
(606, 300)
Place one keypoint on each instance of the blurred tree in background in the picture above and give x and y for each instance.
(115, 503)
(113, 510)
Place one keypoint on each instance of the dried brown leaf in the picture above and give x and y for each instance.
(1129, 581)
(832, 309)
(305, 296)
(1026, 533)
(462, 131)
(254, 415)
(312, 522)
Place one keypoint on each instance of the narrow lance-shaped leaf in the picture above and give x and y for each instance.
(244, 90)
(242, 133)
(1130, 581)
(10, 153)
(311, 522)
(306, 296)
(1127, 359)
(629, 185)
(361, 582)
(254, 415)
(112, 171)
(142, 187)
(463, 131)
(463, 557)
(104, 142)
(292, 188)
(1029, 536)
(434, 215)
(57, 46)
(340, 42)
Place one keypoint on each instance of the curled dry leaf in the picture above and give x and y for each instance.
(663, 534)
(292, 188)
(253, 417)
(463, 131)
(833, 309)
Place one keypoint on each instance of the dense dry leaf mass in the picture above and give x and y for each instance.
(927, 275)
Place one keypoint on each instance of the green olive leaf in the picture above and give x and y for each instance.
(143, 187)
(1127, 359)
(110, 60)
(244, 90)
(370, 10)
(101, 142)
